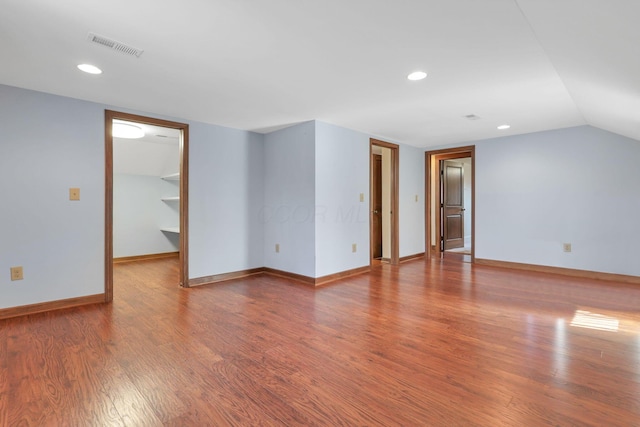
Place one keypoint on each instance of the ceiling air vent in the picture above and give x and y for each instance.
(115, 45)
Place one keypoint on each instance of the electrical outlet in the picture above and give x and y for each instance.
(16, 273)
(566, 247)
(277, 248)
(74, 194)
(354, 247)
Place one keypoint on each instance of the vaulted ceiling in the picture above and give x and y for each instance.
(264, 64)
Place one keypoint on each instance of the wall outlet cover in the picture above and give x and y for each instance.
(16, 273)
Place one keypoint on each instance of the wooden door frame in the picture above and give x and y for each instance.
(109, 116)
(395, 191)
(432, 167)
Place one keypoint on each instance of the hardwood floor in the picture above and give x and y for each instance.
(425, 343)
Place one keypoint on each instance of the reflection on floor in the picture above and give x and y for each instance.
(456, 256)
(465, 250)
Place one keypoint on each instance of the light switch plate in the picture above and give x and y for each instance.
(74, 194)
(362, 197)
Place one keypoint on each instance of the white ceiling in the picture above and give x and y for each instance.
(261, 65)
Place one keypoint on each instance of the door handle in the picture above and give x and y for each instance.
(376, 212)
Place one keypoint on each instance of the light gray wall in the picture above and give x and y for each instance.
(342, 173)
(226, 195)
(537, 191)
(139, 214)
(411, 215)
(289, 199)
(49, 144)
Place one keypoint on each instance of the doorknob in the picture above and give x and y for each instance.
(376, 212)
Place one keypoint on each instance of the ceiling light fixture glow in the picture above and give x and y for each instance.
(125, 130)
(417, 75)
(503, 127)
(88, 68)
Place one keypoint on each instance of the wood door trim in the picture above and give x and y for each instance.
(109, 115)
(435, 157)
(395, 192)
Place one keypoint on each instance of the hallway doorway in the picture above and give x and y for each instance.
(383, 223)
(450, 196)
(175, 228)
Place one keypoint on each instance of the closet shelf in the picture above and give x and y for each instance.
(172, 177)
(171, 229)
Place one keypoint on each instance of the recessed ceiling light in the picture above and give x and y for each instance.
(417, 75)
(88, 68)
(125, 130)
(503, 127)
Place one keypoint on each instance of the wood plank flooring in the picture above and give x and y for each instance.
(426, 343)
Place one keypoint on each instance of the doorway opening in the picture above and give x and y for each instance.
(383, 197)
(167, 182)
(450, 200)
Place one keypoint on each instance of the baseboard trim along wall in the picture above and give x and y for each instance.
(337, 276)
(309, 281)
(216, 278)
(145, 257)
(24, 310)
(318, 281)
(412, 257)
(586, 274)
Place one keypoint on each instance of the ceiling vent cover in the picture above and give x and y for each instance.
(115, 45)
